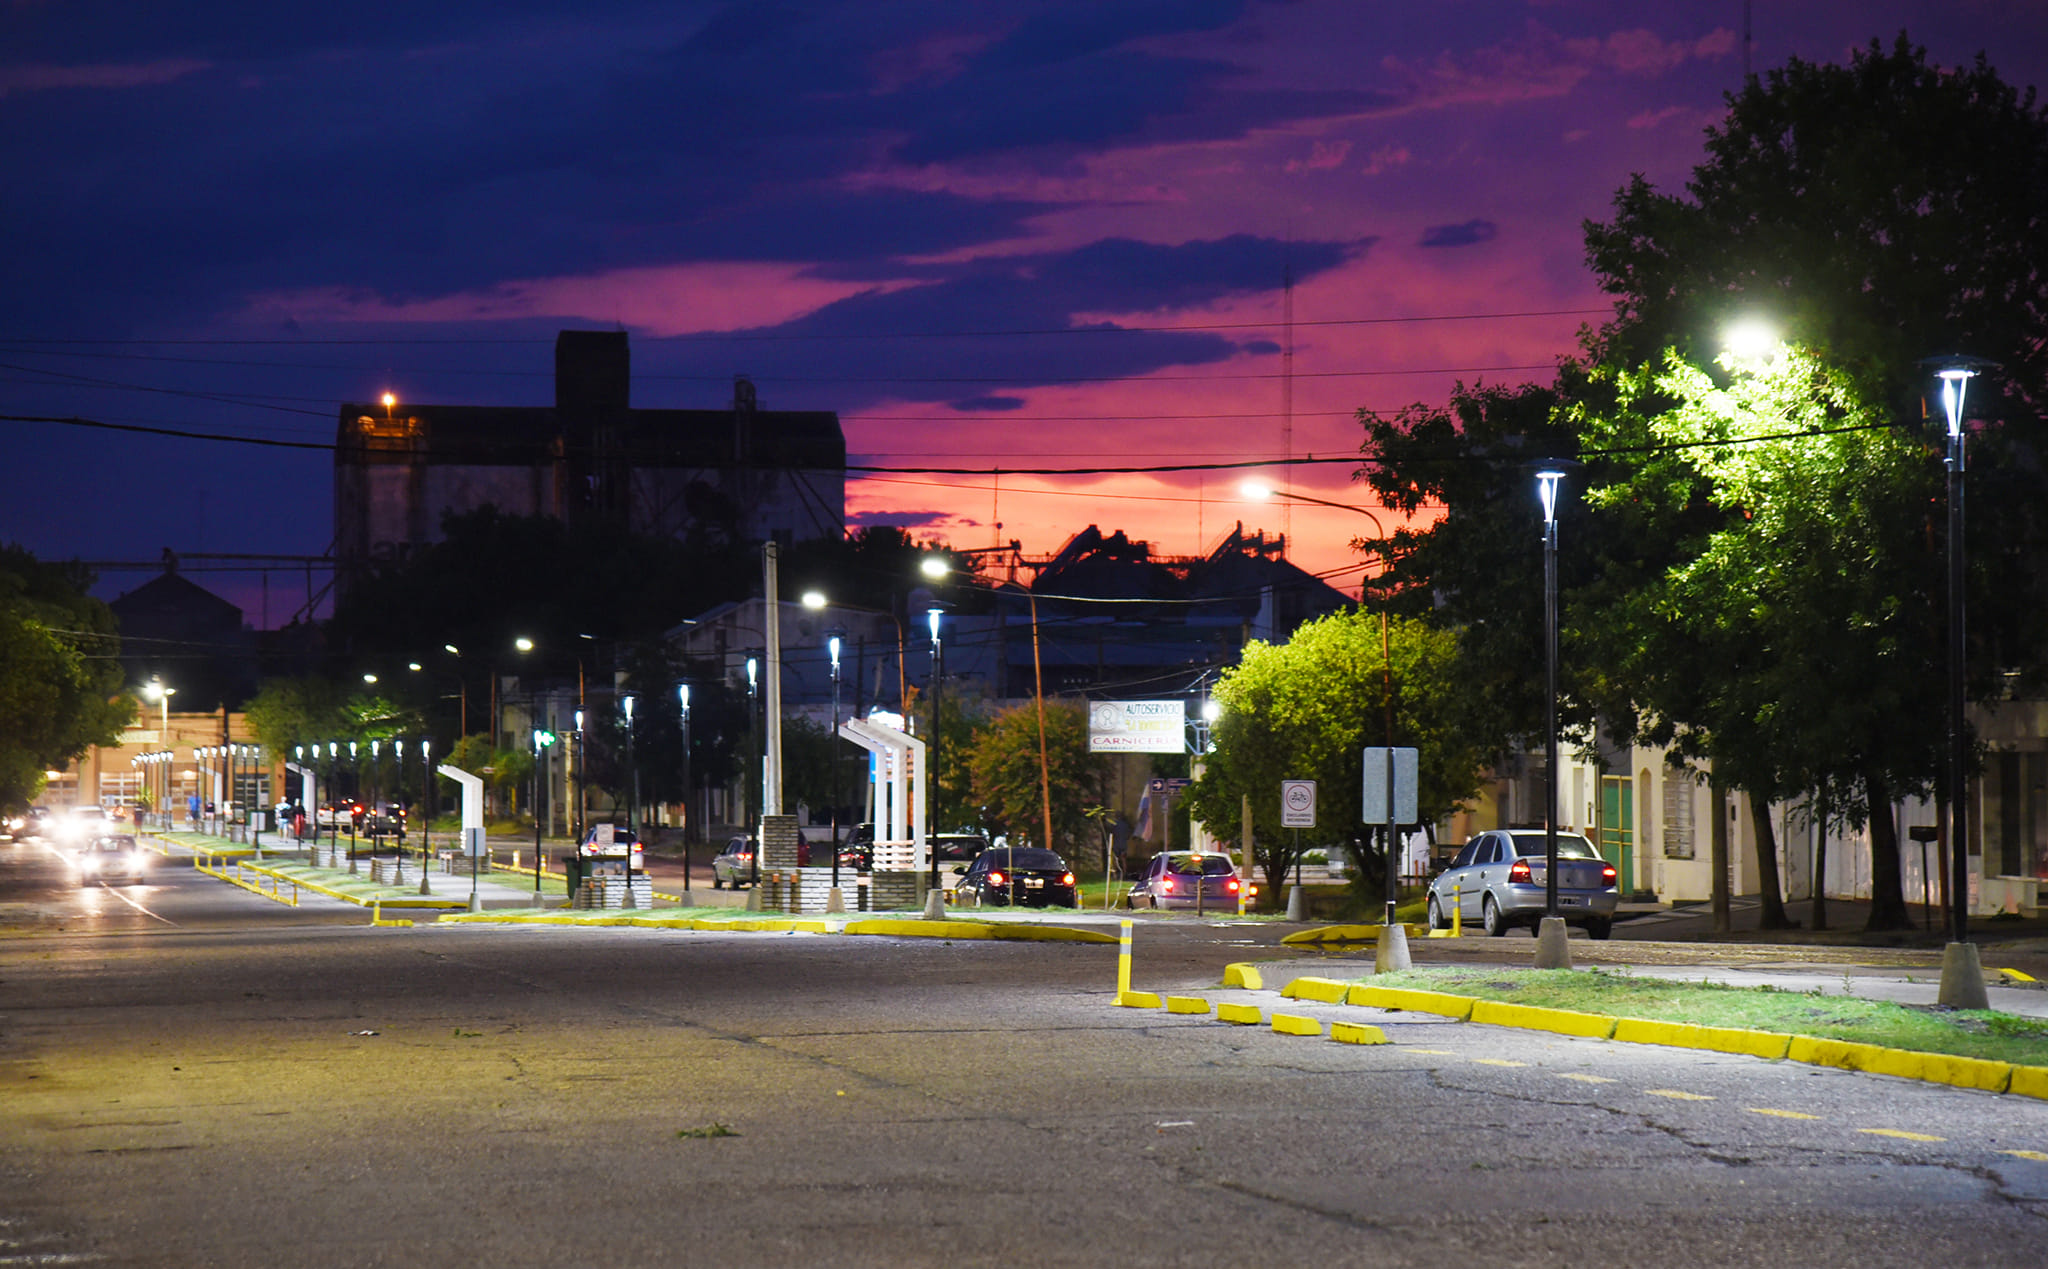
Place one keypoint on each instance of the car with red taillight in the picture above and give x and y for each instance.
(1499, 881)
(1028, 876)
(1189, 879)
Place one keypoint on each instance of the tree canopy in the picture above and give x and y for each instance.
(60, 676)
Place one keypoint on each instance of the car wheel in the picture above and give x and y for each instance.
(1600, 927)
(1490, 914)
(1436, 915)
(716, 884)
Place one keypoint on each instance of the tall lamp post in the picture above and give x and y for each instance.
(1552, 951)
(931, 754)
(832, 645)
(156, 690)
(689, 817)
(1962, 973)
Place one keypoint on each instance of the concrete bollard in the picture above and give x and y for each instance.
(935, 905)
(1390, 955)
(835, 901)
(1552, 951)
(1297, 904)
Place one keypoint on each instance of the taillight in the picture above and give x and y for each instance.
(995, 879)
(1520, 872)
(1232, 887)
(1066, 879)
(1166, 884)
(1607, 873)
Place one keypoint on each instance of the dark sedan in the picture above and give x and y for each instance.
(1025, 875)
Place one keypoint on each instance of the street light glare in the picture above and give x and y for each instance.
(1751, 341)
(451, 649)
(1546, 489)
(523, 643)
(814, 599)
(1255, 490)
(934, 566)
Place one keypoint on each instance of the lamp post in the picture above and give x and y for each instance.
(931, 754)
(633, 821)
(1552, 952)
(689, 819)
(1962, 973)
(426, 813)
(832, 645)
(753, 715)
(156, 690)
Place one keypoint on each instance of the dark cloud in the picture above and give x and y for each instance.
(996, 403)
(1460, 235)
(897, 519)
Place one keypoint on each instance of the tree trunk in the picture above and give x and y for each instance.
(1820, 868)
(1724, 921)
(1773, 917)
(1887, 890)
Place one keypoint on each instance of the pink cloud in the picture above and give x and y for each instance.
(1322, 155)
(675, 300)
(1385, 159)
(28, 79)
(1651, 118)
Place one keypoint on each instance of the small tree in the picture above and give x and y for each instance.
(1008, 782)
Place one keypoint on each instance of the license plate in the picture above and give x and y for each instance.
(1570, 903)
(1034, 883)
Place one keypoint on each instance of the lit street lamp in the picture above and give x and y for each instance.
(1552, 952)
(1962, 973)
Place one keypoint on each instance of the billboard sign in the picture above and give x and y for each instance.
(1137, 727)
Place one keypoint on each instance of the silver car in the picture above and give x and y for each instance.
(1498, 881)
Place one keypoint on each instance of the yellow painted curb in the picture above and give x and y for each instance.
(2016, 976)
(2029, 1081)
(1243, 975)
(916, 928)
(1964, 1072)
(1327, 990)
(1347, 934)
(1187, 1004)
(1239, 1015)
(1356, 1033)
(1688, 1035)
(1410, 1000)
(1138, 1000)
(1592, 1026)
(1029, 933)
(1294, 1024)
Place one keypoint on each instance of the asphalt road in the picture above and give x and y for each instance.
(256, 1085)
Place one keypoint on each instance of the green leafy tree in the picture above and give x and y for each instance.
(1879, 213)
(1007, 778)
(60, 681)
(1308, 708)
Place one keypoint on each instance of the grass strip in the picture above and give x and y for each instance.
(1986, 1034)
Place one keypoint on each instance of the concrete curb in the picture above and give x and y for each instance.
(906, 927)
(1347, 934)
(1935, 1068)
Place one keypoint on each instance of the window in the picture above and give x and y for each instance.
(1677, 815)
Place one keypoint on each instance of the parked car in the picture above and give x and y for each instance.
(111, 857)
(343, 814)
(1188, 879)
(614, 842)
(388, 821)
(1498, 880)
(858, 850)
(734, 865)
(1027, 876)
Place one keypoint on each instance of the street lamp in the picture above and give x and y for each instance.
(156, 690)
(931, 616)
(689, 818)
(1552, 952)
(1962, 974)
(832, 645)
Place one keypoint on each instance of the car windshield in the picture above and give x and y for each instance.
(115, 845)
(955, 847)
(1028, 857)
(1208, 865)
(1569, 846)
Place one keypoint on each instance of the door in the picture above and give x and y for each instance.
(1618, 829)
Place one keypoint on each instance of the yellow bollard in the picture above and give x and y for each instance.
(1123, 962)
(1457, 908)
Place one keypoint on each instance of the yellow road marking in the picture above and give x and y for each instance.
(1584, 1079)
(1782, 1114)
(1498, 1062)
(2035, 1155)
(1434, 1052)
(1901, 1134)
(1676, 1095)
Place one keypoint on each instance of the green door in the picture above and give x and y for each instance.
(1618, 828)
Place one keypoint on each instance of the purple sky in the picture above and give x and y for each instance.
(230, 218)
